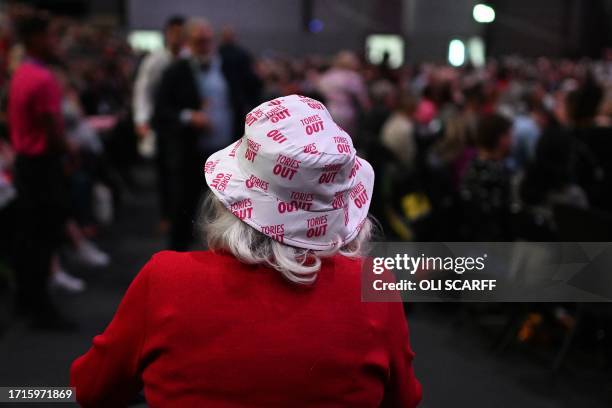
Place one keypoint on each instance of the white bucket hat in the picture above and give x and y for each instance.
(294, 175)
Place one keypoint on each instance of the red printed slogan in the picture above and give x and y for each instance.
(286, 167)
(275, 231)
(278, 113)
(317, 226)
(251, 151)
(299, 201)
(359, 195)
(242, 209)
(312, 124)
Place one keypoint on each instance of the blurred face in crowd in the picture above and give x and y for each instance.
(505, 144)
(494, 136)
(228, 35)
(200, 39)
(175, 37)
(541, 118)
(43, 44)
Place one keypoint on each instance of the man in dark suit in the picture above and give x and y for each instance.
(200, 105)
(235, 58)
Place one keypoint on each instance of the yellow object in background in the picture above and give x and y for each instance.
(415, 206)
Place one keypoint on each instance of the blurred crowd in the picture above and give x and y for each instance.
(516, 149)
(64, 97)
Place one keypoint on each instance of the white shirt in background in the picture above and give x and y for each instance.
(397, 135)
(147, 81)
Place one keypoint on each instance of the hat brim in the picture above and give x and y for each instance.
(265, 205)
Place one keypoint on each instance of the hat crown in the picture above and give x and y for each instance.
(292, 147)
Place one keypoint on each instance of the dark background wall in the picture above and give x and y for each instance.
(264, 25)
(271, 25)
(572, 28)
(428, 27)
(532, 27)
(527, 27)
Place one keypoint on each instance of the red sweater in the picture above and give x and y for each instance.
(201, 329)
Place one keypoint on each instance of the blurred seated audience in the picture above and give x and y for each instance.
(485, 189)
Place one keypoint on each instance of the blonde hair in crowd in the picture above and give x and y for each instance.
(224, 231)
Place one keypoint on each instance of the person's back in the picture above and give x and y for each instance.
(485, 188)
(274, 316)
(207, 330)
(344, 90)
(592, 167)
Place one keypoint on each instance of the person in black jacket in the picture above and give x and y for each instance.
(236, 59)
(200, 106)
(591, 144)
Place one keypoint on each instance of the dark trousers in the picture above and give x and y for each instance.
(163, 176)
(41, 211)
(183, 184)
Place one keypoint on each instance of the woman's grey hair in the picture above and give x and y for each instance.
(224, 231)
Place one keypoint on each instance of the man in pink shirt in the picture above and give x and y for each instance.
(34, 110)
(36, 130)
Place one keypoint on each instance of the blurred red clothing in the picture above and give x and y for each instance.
(34, 93)
(201, 329)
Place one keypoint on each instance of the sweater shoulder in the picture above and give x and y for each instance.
(170, 264)
(349, 268)
(169, 274)
(175, 258)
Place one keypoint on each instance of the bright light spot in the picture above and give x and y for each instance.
(145, 40)
(456, 53)
(483, 13)
(476, 51)
(379, 45)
